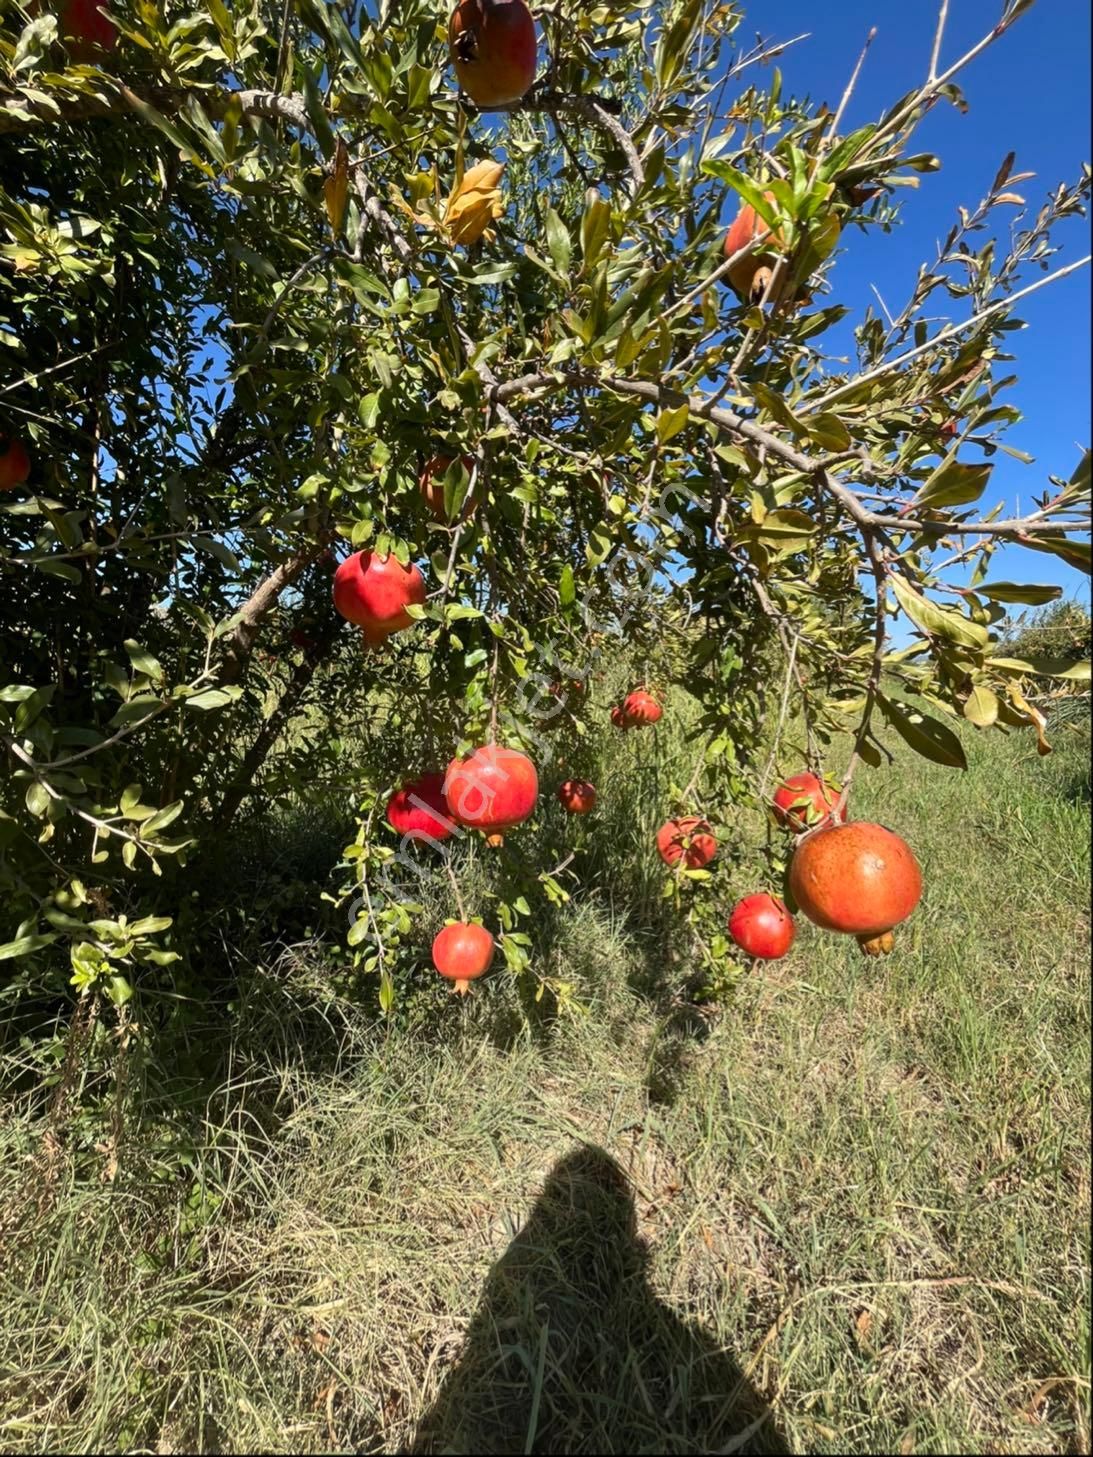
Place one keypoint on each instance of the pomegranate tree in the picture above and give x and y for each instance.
(762, 927)
(689, 839)
(374, 592)
(494, 789)
(804, 800)
(462, 952)
(494, 50)
(860, 879)
(419, 809)
(577, 796)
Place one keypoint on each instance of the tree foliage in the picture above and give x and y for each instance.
(259, 263)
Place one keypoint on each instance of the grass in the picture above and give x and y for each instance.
(849, 1213)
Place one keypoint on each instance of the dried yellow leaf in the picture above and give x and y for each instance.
(475, 203)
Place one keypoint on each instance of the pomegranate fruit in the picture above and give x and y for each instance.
(577, 796)
(493, 49)
(14, 462)
(750, 277)
(431, 486)
(859, 878)
(374, 592)
(420, 810)
(620, 718)
(641, 707)
(85, 29)
(493, 789)
(462, 952)
(804, 800)
(761, 926)
(689, 839)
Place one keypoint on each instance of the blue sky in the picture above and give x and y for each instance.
(1029, 93)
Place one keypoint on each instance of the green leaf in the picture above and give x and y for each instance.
(118, 989)
(927, 736)
(161, 819)
(169, 130)
(37, 798)
(150, 925)
(981, 707)
(1077, 553)
(786, 530)
(316, 113)
(211, 698)
(24, 945)
(594, 226)
(938, 621)
(598, 545)
(567, 590)
(1076, 672)
(671, 422)
(953, 484)
(744, 187)
(1031, 596)
(829, 431)
(558, 242)
(143, 660)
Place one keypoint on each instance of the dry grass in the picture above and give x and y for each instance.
(848, 1214)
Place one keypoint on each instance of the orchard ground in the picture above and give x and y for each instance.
(862, 1191)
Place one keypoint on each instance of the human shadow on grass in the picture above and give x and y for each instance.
(571, 1351)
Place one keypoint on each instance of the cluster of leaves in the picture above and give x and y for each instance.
(236, 319)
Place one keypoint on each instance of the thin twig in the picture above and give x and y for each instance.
(949, 332)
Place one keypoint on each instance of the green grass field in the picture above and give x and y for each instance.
(847, 1213)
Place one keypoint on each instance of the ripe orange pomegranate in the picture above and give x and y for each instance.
(577, 796)
(85, 29)
(641, 707)
(493, 789)
(462, 952)
(859, 878)
(431, 486)
(493, 49)
(749, 277)
(689, 839)
(420, 810)
(803, 800)
(374, 592)
(14, 462)
(761, 926)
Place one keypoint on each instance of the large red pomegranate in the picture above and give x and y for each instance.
(14, 462)
(749, 277)
(431, 486)
(494, 49)
(641, 707)
(374, 592)
(689, 839)
(493, 789)
(858, 878)
(577, 796)
(761, 926)
(420, 810)
(85, 29)
(462, 952)
(803, 800)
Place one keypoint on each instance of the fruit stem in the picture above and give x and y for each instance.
(455, 887)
